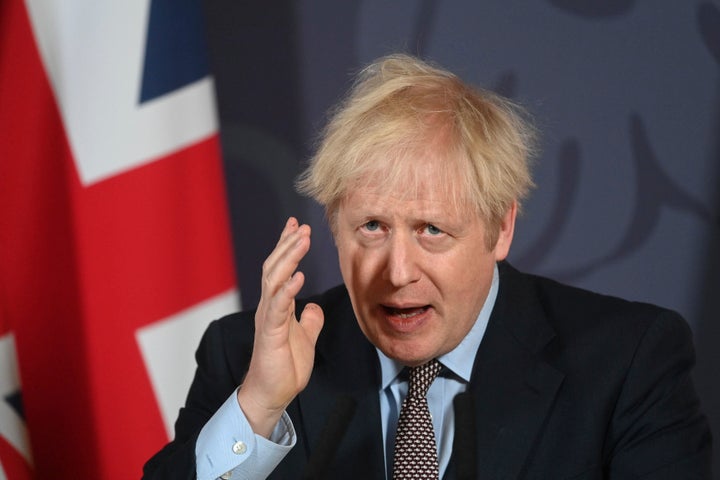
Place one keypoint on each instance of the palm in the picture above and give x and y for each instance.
(284, 348)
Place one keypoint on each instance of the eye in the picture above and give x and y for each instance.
(433, 230)
(372, 226)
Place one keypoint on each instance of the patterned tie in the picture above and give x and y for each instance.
(415, 449)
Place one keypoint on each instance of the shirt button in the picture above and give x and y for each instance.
(226, 475)
(239, 448)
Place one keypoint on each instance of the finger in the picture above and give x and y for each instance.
(282, 305)
(290, 226)
(287, 236)
(284, 241)
(312, 320)
(284, 260)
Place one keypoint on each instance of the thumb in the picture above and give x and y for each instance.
(312, 320)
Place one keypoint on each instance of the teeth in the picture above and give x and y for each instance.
(409, 314)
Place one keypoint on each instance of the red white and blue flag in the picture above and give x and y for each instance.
(115, 244)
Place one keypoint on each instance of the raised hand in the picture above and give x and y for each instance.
(284, 349)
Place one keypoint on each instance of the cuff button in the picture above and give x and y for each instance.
(239, 448)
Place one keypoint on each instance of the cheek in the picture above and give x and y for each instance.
(359, 267)
(464, 283)
(345, 256)
(353, 268)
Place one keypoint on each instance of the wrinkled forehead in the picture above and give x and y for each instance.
(414, 174)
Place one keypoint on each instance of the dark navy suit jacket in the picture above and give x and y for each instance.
(566, 384)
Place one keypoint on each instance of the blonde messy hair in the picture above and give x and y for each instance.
(401, 109)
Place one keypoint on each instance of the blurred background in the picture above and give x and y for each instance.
(148, 150)
(626, 95)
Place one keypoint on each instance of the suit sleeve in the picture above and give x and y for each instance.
(657, 431)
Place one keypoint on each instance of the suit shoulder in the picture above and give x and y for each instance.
(569, 307)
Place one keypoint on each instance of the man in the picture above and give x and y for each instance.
(421, 177)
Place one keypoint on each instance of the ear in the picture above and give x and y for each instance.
(507, 229)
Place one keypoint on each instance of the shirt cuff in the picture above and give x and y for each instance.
(228, 448)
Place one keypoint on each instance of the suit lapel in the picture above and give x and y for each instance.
(513, 387)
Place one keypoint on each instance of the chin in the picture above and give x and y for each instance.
(408, 354)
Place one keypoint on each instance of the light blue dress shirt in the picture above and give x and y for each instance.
(443, 390)
(227, 448)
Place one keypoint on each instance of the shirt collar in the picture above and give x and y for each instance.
(460, 360)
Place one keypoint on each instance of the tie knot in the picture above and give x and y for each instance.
(422, 376)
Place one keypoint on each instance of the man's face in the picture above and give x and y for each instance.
(418, 269)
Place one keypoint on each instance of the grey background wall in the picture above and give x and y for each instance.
(626, 94)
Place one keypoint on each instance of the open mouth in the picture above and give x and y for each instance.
(405, 313)
(401, 322)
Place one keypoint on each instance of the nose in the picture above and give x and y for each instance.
(402, 260)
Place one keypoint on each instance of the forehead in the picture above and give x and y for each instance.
(413, 174)
(423, 183)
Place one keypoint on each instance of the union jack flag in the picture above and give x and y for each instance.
(115, 245)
